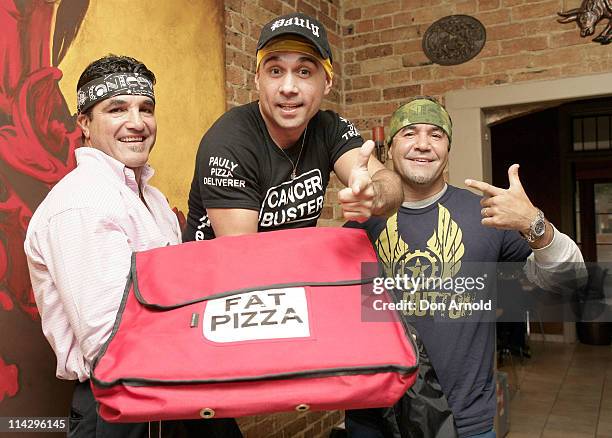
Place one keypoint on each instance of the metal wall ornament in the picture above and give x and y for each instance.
(454, 39)
(588, 15)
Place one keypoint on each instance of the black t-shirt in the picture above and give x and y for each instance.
(238, 165)
(440, 240)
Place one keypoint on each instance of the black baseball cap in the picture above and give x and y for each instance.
(297, 24)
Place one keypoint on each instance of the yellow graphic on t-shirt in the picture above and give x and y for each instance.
(439, 262)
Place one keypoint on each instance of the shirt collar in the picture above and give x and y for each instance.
(125, 174)
(427, 201)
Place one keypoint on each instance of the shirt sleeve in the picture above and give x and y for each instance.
(227, 169)
(343, 137)
(559, 266)
(89, 268)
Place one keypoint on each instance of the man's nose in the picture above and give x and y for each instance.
(288, 85)
(135, 120)
(422, 141)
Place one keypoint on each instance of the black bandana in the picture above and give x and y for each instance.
(112, 85)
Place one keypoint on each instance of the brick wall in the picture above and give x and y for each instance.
(384, 62)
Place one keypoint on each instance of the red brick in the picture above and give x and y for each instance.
(486, 81)
(435, 88)
(536, 10)
(399, 34)
(505, 31)
(403, 92)
(353, 14)
(537, 75)
(397, 77)
(510, 3)
(569, 38)
(415, 59)
(487, 5)
(239, 23)
(415, 4)
(383, 23)
(274, 6)
(235, 75)
(545, 26)
(374, 52)
(403, 19)
(360, 82)
(307, 9)
(365, 96)
(380, 9)
(468, 69)
(494, 17)
(518, 45)
(364, 26)
(407, 46)
(378, 109)
(359, 40)
(257, 14)
(352, 69)
(505, 63)
(234, 5)
(563, 56)
(234, 39)
(466, 7)
(421, 74)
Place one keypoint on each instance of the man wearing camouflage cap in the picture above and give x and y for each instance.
(441, 229)
(265, 165)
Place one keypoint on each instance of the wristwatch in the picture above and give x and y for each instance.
(536, 229)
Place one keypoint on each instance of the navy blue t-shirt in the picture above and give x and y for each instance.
(447, 240)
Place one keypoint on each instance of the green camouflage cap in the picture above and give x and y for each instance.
(420, 111)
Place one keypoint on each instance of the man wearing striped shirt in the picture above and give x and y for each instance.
(81, 237)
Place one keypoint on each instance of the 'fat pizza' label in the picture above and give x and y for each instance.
(265, 314)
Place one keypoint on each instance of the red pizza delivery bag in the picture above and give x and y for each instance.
(252, 324)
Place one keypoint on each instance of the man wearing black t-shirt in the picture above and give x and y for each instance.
(265, 165)
(444, 232)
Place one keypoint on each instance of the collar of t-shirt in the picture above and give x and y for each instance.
(427, 201)
(116, 167)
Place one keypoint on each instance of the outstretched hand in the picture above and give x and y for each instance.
(357, 200)
(508, 209)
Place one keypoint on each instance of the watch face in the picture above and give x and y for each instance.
(539, 227)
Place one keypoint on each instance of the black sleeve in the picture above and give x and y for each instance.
(514, 247)
(342, 136)
(227, 166)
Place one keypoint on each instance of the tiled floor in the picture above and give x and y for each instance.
(564, 390)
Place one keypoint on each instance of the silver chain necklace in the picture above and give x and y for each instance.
(295, 165)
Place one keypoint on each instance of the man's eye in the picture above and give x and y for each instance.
(437, 136)
(275, 71)
(115, 110)
(304, 72)
(409, 134)
(147, 110)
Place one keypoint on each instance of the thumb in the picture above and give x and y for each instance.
(513, 177)
(364, 155)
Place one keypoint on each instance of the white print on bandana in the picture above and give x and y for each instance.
(296, 21)
(263, 314)
(297, 200)
(222, 173)
(352, 131)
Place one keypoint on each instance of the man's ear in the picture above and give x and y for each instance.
(83, 122)
(257, 80)
(328, 85)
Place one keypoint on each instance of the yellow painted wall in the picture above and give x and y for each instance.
(181, 41)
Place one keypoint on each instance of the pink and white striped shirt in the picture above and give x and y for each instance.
(79, 244)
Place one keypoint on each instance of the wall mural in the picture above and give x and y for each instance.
(44, 47)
